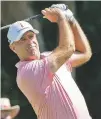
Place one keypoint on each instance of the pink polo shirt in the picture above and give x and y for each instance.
(52, 96)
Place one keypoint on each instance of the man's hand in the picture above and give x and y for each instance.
(53, 14)
(68, 13)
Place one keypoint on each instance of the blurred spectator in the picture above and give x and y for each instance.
(8, 111)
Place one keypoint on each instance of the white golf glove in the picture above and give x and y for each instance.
(68, 13)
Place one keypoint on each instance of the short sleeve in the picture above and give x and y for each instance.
(36, 73)
(45, 54)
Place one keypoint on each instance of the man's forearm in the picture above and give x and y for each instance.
(66, 37)
(83, 51)
(65, 48)
(81, 42)
(66, 45)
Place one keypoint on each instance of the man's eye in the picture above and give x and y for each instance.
(31, 36)
(23, 39)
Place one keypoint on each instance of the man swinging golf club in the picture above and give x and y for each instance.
(45, 79)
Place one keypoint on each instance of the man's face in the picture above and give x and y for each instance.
(27, 48)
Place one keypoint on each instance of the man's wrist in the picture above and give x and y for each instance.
(73, 22)
(61, 18)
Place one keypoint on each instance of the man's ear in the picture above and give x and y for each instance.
(12, 47)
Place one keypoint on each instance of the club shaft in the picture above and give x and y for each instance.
(28, 19)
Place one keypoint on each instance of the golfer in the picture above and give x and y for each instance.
(45, 79)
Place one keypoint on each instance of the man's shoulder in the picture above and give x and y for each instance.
(23, 63)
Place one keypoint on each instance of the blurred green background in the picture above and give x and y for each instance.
(88, 76)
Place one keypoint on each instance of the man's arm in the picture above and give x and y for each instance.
(83, 51)
(66, 45)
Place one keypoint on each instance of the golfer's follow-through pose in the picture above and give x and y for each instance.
(45, 79)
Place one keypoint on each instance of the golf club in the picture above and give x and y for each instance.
(28, 19)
